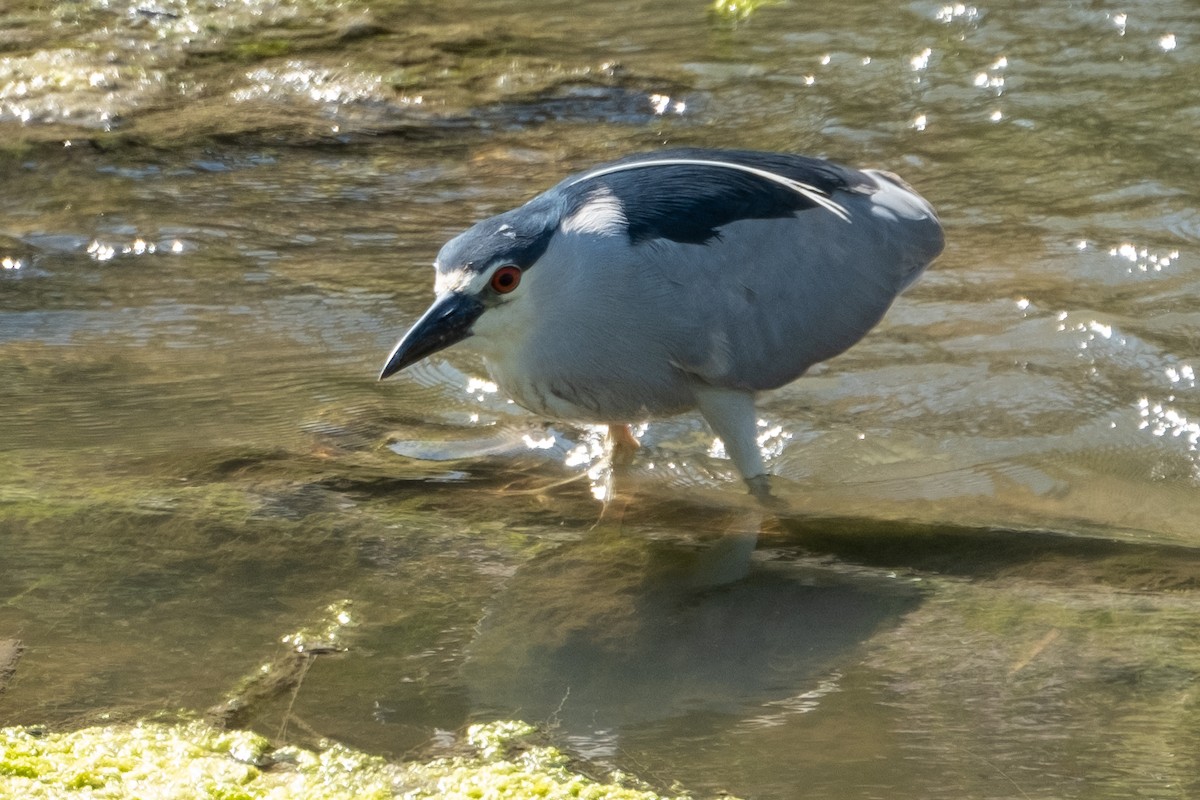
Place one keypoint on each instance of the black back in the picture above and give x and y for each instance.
(688, 203)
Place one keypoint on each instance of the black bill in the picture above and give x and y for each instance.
(447, 321)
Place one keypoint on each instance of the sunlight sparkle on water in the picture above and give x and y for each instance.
(986, 81)
(327, 633)
(102, 251)
(1163, 421)
(989, 79)
(958, 11)
(1183, 374)
(318, 84)
(590, 451)
(1091, 330)
(662, 104)
(1167, 42)
(477, 388)
(543, 443)
(1142, 259)
(581, 454)
(772, 439)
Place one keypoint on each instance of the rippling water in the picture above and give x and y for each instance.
(984, 585)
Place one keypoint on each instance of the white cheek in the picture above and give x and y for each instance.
(509, 332)
(503, 328)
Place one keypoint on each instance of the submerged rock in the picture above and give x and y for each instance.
(172, 71)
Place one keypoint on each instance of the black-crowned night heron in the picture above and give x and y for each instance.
(677, 280)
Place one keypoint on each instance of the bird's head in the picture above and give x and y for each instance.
(481, 272)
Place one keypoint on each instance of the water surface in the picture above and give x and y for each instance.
(216, 221)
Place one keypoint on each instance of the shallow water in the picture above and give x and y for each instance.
(984, 583)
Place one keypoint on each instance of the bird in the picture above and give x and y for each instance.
(675, 280)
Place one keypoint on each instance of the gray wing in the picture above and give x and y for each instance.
(777, 295)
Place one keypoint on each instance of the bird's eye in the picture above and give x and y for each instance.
(505, 279)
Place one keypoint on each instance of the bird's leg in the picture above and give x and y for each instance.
(622, 444)
(730, 413)
(612, 509)
(760, 489)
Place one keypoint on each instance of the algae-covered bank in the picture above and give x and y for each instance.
(153, 761)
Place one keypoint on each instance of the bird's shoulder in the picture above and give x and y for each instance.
(687, 194)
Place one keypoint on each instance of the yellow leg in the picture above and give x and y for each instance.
(623, 443)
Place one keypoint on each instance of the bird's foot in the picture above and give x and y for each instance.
(760, 490)
(622, 444)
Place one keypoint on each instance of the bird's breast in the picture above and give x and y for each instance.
(582, 390)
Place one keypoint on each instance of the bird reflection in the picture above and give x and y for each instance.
(620, 628)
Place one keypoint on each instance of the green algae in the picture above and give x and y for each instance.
(193, 761)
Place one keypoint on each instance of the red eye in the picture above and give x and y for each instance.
(505, 279)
